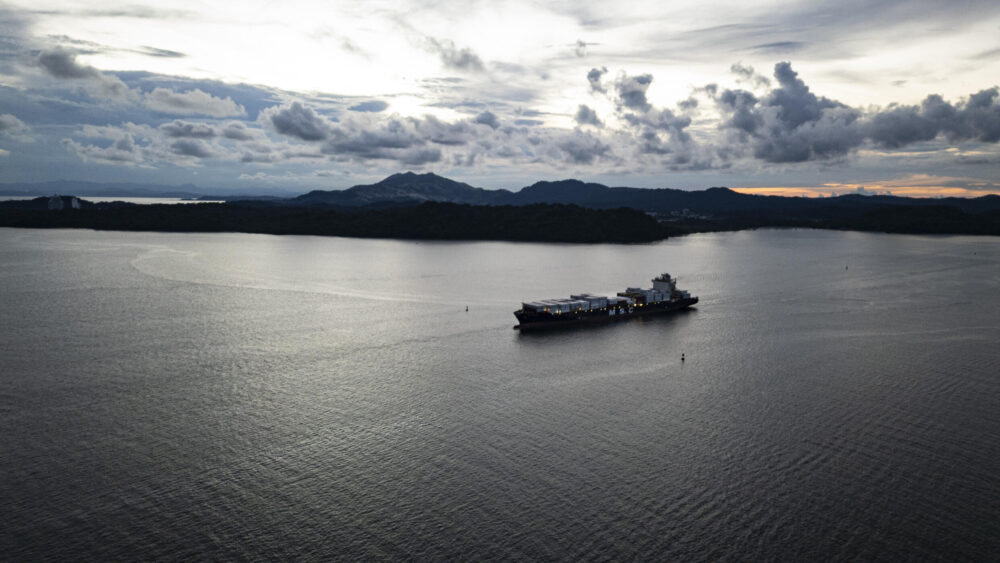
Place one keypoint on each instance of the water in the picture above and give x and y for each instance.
(233, 396)
(106, 199)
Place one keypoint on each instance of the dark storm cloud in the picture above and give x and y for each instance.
(794, 102)
(372, 106)
(741, 108)
(487, 118)
(586, 116)
(977, 119)
(594, 78)
(297, 121)
(453, 57)
(188, 129)
(62, 64)
(792, 124)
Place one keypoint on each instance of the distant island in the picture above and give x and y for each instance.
(428, 206)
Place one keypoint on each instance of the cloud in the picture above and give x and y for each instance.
(190, 147)
(62, 64)
(370, 106)
(188, 129)
(791, 124)
(405, 140)
(748, 74)
(631, 91)
(594, 78)
(82, 46)
(297, 120)
(454, 58)
(10, 123)
(487, 118)
(124, 151)
(778, 47)
(162, 53)
(237, 131)
(582, 148)
(976, 119)
(586, 116)
(191, 102)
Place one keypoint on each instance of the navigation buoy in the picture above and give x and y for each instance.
(466, 308)
(682, 357)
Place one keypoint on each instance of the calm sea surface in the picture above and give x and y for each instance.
(234, 396)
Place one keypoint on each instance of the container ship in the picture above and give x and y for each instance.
(664, 297)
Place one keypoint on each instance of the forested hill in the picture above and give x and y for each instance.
(431, 220)
(430, 206)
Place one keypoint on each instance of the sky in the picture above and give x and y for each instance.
(791, 98)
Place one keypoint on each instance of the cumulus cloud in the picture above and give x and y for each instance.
(190, 147)
(404, 140)
(192, 102)
(748, 74)
(792, 124)
(582, 148)
(237, 131)
(188, 129)
(395, 138)
(586, 116)
(977, 119)
(594, 78)
(631, 91)
(370, 106)
(487, 118)
(10, 123)
(180, 143)
(125, 151)
(297, 120)
(454, 57)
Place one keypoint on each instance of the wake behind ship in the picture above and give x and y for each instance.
(664, 297)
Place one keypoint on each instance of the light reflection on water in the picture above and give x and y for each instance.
(230, 396)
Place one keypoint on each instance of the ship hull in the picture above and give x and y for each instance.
(530, 321)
